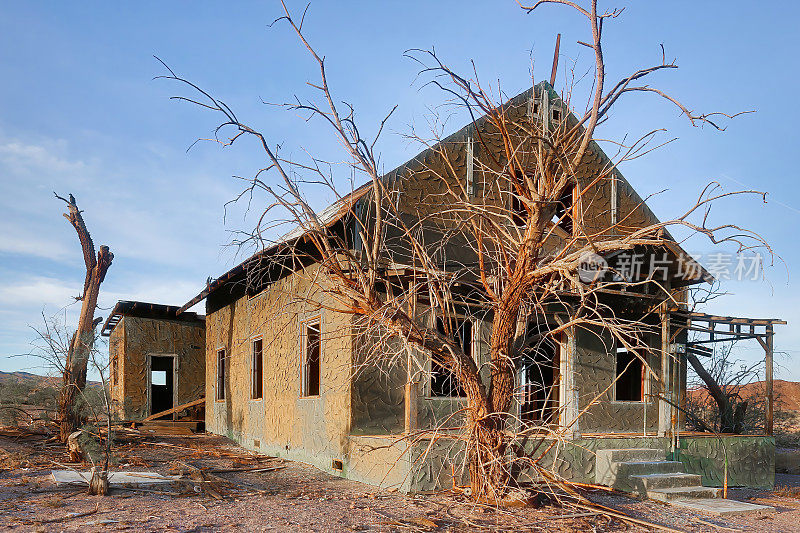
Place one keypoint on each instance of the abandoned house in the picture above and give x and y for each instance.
(295, 383)
(157, 359)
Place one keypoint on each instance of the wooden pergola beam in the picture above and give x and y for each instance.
(769, 380)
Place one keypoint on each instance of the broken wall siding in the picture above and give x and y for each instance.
(310, 429)
(145, 336)
(116, 351)
(595, 370)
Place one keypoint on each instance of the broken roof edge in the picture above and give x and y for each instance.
(338, 209)
(139, 309)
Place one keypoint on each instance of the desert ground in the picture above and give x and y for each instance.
(226, 487)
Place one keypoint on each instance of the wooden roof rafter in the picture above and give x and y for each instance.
(720, 328)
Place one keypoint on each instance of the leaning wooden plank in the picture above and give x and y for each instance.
(174, 410)
(165, 431)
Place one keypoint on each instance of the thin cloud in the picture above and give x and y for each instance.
(36, 291)
(32, 158)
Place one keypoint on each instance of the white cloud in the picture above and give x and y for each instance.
(32, 158)
(17, 240)
(36, 291)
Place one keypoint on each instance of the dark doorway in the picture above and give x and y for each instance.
(162, 387)
(539, 377)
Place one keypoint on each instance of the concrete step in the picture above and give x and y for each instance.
(641, 468)
(647, 482)
(684, 493)
(618, 475)
(631, 454)
(722, 507)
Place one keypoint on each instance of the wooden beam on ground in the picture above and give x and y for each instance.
(174, 410)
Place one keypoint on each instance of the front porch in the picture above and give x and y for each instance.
(587, 418)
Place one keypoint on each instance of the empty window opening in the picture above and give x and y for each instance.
(563, 214)
(556, 114)
(221, 374)
(443, 380)
(158, 377)
(630, 377)
(311, 359)
(533, 107)
(539, 377)
(161, 384)
(257, 377)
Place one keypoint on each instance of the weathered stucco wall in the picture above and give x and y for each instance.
(595, 371)
(130, 343)
(379, 377)
(309, 429)
(750, 458)
(408, 467)
(428, 179)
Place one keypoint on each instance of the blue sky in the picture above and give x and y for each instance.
(81, 113)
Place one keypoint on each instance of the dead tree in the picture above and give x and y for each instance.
(521, 264)
(80, 348)
(724, 380)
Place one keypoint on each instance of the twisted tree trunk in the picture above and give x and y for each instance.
(74, 374)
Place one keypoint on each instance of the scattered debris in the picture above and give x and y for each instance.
(69, 516)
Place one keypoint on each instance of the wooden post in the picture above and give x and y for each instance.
(567, 392)
(664, 407)
(410, 397)
(770, 392)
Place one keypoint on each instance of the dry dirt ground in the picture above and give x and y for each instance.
(286, 496)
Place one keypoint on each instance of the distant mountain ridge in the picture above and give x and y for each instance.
(787, 393)
(33, 379)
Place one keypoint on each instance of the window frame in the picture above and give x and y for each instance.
(304, 374)
(221, 392)
(259, 339)
(643, 380)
